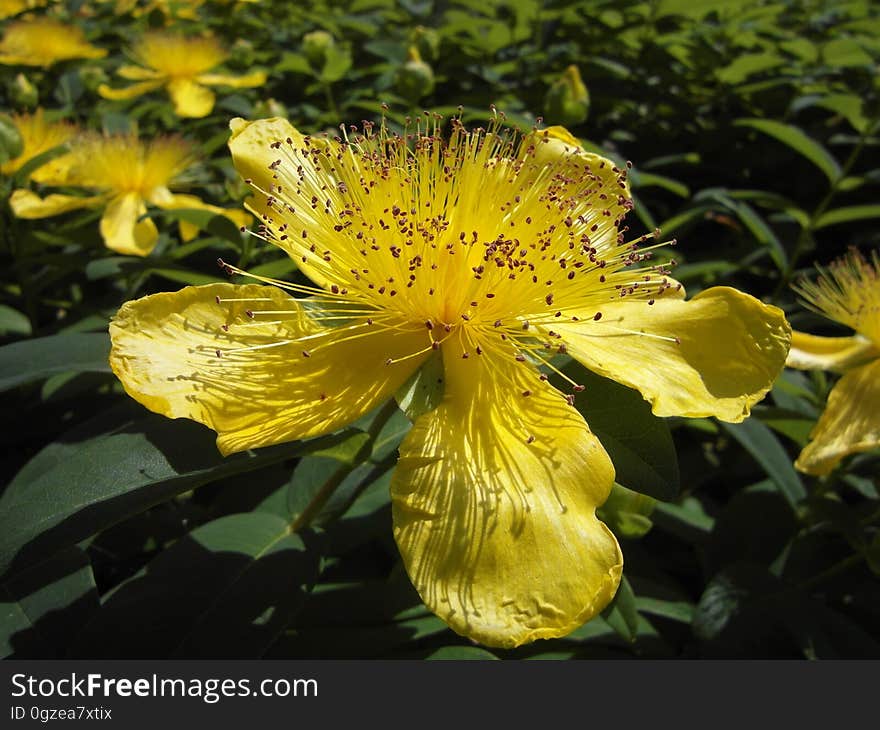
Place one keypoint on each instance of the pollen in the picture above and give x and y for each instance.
(440, 229)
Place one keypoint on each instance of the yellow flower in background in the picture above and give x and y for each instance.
(126, 174)
(44, 42)
(848, 292)
(185, 9)
(496, 253)
(180, 65)
(8, 8)
(39, 136)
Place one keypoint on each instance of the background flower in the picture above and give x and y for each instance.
(44, 42)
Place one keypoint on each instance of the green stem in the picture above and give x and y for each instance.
(317, 503)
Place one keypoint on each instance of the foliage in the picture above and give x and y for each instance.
(753, 129)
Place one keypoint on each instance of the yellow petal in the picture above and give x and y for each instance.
(171, 201)
(249, 144)
(850, 423)
(498, 532)
(129, 92)
(729, 351)
(26, 204)
(811, 352)
(190, 99)
(138, 73)
(165, 353)
(123, 229)
(257, 78)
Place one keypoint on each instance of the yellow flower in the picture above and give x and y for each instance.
(495, 253)
(39, 136)
(8, 8)
(181, 65)
(126, 174)
(847, 292)
(44, 42)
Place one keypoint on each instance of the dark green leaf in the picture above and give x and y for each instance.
(621, 613)
(36, 359)
(797, 140)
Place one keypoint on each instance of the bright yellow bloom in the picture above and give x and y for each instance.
(8, 8)
(126, 174)
(497, 254)
(39, 136)
(847, 292)
(181, 65)
(44, 42)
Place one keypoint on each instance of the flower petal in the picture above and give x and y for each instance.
(497, 530)
(812, 352)
(129, 92)
(261, 390)
(27, 204)
(729, 351)
(850, 423)
(190, 99)
(251, 154)
(138, 73)
(167, 200)
(123, 228)
(257, 78)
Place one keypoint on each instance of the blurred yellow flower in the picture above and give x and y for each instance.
(496, 253)
(39, 136)
(8, 8)
(848, 291)
(44, 42)
(180, 65)
(126, 174)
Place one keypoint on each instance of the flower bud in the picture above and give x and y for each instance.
(315, 46)
(92, 77)
(567, 100)
(23, 93)
(414, 79)
(627, 513)
(266, 108)
(426, 41)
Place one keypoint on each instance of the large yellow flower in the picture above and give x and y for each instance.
(181, 65)
(39, 136)
(8, 8)
(44, 42)
(127, 174)
(847, 292)
(497, 254)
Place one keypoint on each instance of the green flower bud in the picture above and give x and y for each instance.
(567, 100)
(266, 108)
(315, 46)
(92, 77)
(627, 513)
(10, 140)
(426, 41)
(415, 79)
(23, 93)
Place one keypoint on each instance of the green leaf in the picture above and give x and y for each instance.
(424, 389)
(207, 220)
(225, 590)
(797, 140)
(10, 140)
(13, 322)
(762, 444)
(40, 608)
(680, 611)
(37, 359)
(621, 613)
(336, 65)
(845, 53)
(639, 443)
(643, 179)
(747, 65)
(461, 652)
(847, 214)
(110, 468)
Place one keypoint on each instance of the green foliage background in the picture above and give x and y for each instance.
(753, 130)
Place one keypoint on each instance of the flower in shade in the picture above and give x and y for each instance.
(848, 292)
(39, 136)
(44, 42)
(182, 66)
(124, 174)
(495, 253)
